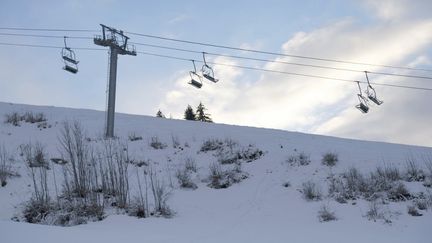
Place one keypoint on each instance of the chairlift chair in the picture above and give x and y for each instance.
(207, 71)
(196, 79)
(363, 105)
(371, 93)
(69, 59)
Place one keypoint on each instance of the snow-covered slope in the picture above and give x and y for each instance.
(258, 209)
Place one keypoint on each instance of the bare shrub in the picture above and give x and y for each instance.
(160, 195)
(299, 159)
(12, 118)
(376, 212)
(134, 137)
(421, 203)
(389, 172)
(330, 159)
(74, 149)
(325, 215)
(5, 166)
(398, 192)
(311, 191)
(190, 164)
(114, 172)
(412, 210)
(30, 117)
(250, 154)
(175, 141)
(220, 178)
(211, 145)
(412, 170)
(427, 159)
(140, 208)
(39, 178)
(64, 213)
(184, 178)
(15, 118)
(35, 155)
(156, 143)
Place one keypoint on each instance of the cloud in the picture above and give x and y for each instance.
(325, 106)
(179, 18)
(395, 10)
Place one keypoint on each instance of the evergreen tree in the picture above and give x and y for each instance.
(160, 114)
(189, 114)
(201, 115)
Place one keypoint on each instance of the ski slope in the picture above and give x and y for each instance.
(258, 209)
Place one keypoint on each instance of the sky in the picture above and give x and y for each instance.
(383, 32)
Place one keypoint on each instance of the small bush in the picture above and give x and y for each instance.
(190, 164)
(35, 155)
(300, 159)
(65, 213)
(211, 145)
(398, 192)
(184, 179)
(29, 117)
(175, 141)
(329, 159)
(311, 191)
(156, 144)
(134, 137)
(421, 203)
(376, 212)
(412, 210)
(413, 172)
(325, 215)
(250, 154)
(5, 166)
(160, 195)
(13, 118)
(389, 172)
(225, 178)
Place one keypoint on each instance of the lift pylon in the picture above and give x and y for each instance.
(117, 42)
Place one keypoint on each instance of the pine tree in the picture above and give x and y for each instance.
(201, 115)
(189, 114)
(160, 114)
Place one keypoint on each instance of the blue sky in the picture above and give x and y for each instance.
(386, 32)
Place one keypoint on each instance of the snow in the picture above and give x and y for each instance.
(258, 209)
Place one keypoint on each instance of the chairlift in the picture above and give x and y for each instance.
(363, 105)
(69, 59)
(196, 79)
(207, 71)
(371, 93)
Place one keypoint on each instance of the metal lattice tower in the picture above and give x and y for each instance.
(117, 42)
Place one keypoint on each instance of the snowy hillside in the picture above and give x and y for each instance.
(242, 184)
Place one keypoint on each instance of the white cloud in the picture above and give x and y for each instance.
(323, 106)
(178, 19)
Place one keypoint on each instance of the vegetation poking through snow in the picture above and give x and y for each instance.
(34, 155)
(299, 159)
(311, 191)
(223, 178)
(6, 170)
(134, 137)
(330, 159)
(15, 118)
(412, 210)
(156, 143)
(325, 214)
